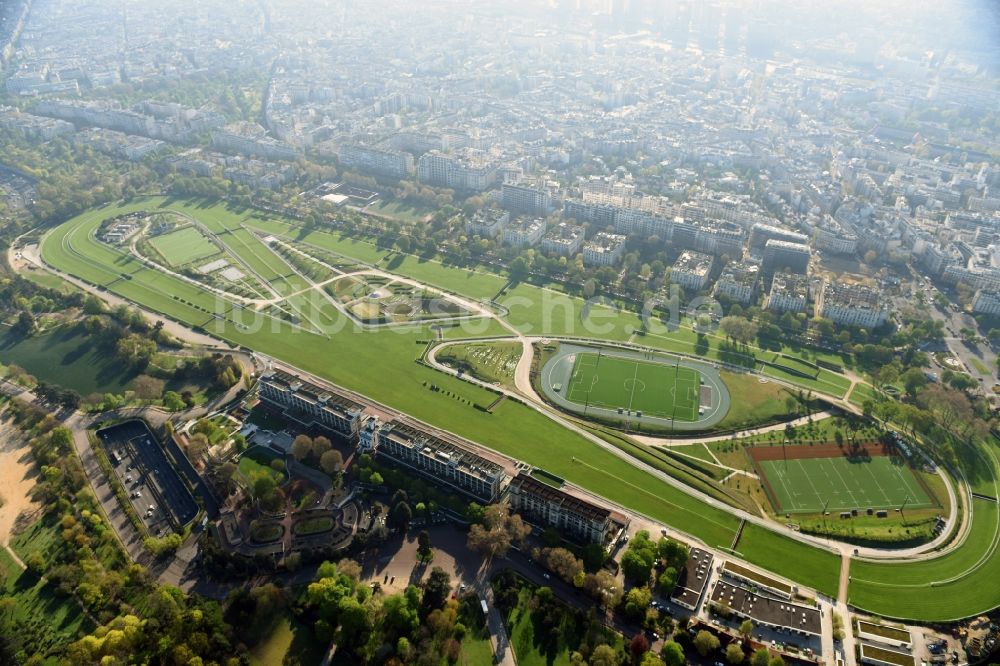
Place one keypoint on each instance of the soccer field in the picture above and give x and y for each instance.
(183, 246)
(805, 485)
(654, 388)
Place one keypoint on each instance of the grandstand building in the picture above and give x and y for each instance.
(441, 459)
(309, 404)
(546, 506)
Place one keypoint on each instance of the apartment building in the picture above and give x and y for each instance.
(384, 162)
(852, 305)
(563, 240)
(524, 232)
(691, 270)
(521, 199)
(738, 282)
(604, 249)
(487, 223)
(789, 293)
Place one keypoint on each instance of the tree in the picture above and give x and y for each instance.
(320, 446)
(147, 388)
(499, 531)
(25, 324)
(604, 655)
(746, 628)
(650, 659)
(436, 589)
(638, 646)
(424, 543)
(562, 562)
(706, 642)
(302, 447)
(673, 654)
(400, 516)
(734, 653)
(376, 479)
(603, 587)
(636, 602)
(761, 657)
(331, 461)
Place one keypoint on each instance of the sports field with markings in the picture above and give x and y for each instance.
(807, 485)
(653, 388)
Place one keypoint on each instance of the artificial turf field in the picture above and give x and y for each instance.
(183, 246)
(807, 485)
(653, 388)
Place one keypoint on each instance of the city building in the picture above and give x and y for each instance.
(986, 302)
(311, 405)
(524, 200)
(564, 239)
(604, 249)
(541, 504)
(524, 232)
(852, 305)
(468, 170)
(738, 282)
(487, 223)
(691, 270)
(789, 293)
(761, 233)
(384, 162)
(785, 257)
(442, 459)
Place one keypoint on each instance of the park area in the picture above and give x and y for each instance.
(652, 388)
(183, 246)
(813, 479)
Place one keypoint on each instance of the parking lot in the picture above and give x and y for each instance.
(155, 490)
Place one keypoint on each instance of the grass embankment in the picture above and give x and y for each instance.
(493, 362)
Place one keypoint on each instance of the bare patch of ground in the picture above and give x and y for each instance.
(17, 477)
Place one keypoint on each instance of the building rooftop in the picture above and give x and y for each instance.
(740, 273)
(533, 486)
(696, 263)
(852, 296)
(692, 580)
(768, 610)
(311, 392)
(605, 242)
(790, 284)
(448, 449)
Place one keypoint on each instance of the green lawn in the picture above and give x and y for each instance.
(794, 560)
(44, 619)
(183, 246)
(49, 281)
(541, 311)
(487, 361)
(839, 484)
(346, 356)
(752, 402)
(401, 210)
(258, 256)
(653, 388)
(65, 358)
(289, 641)
(535, 647)
(256, 461)
(699, 451)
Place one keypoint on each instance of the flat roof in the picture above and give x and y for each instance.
(449, 450)
(693, 578)
(533, 486)
(767, 609)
